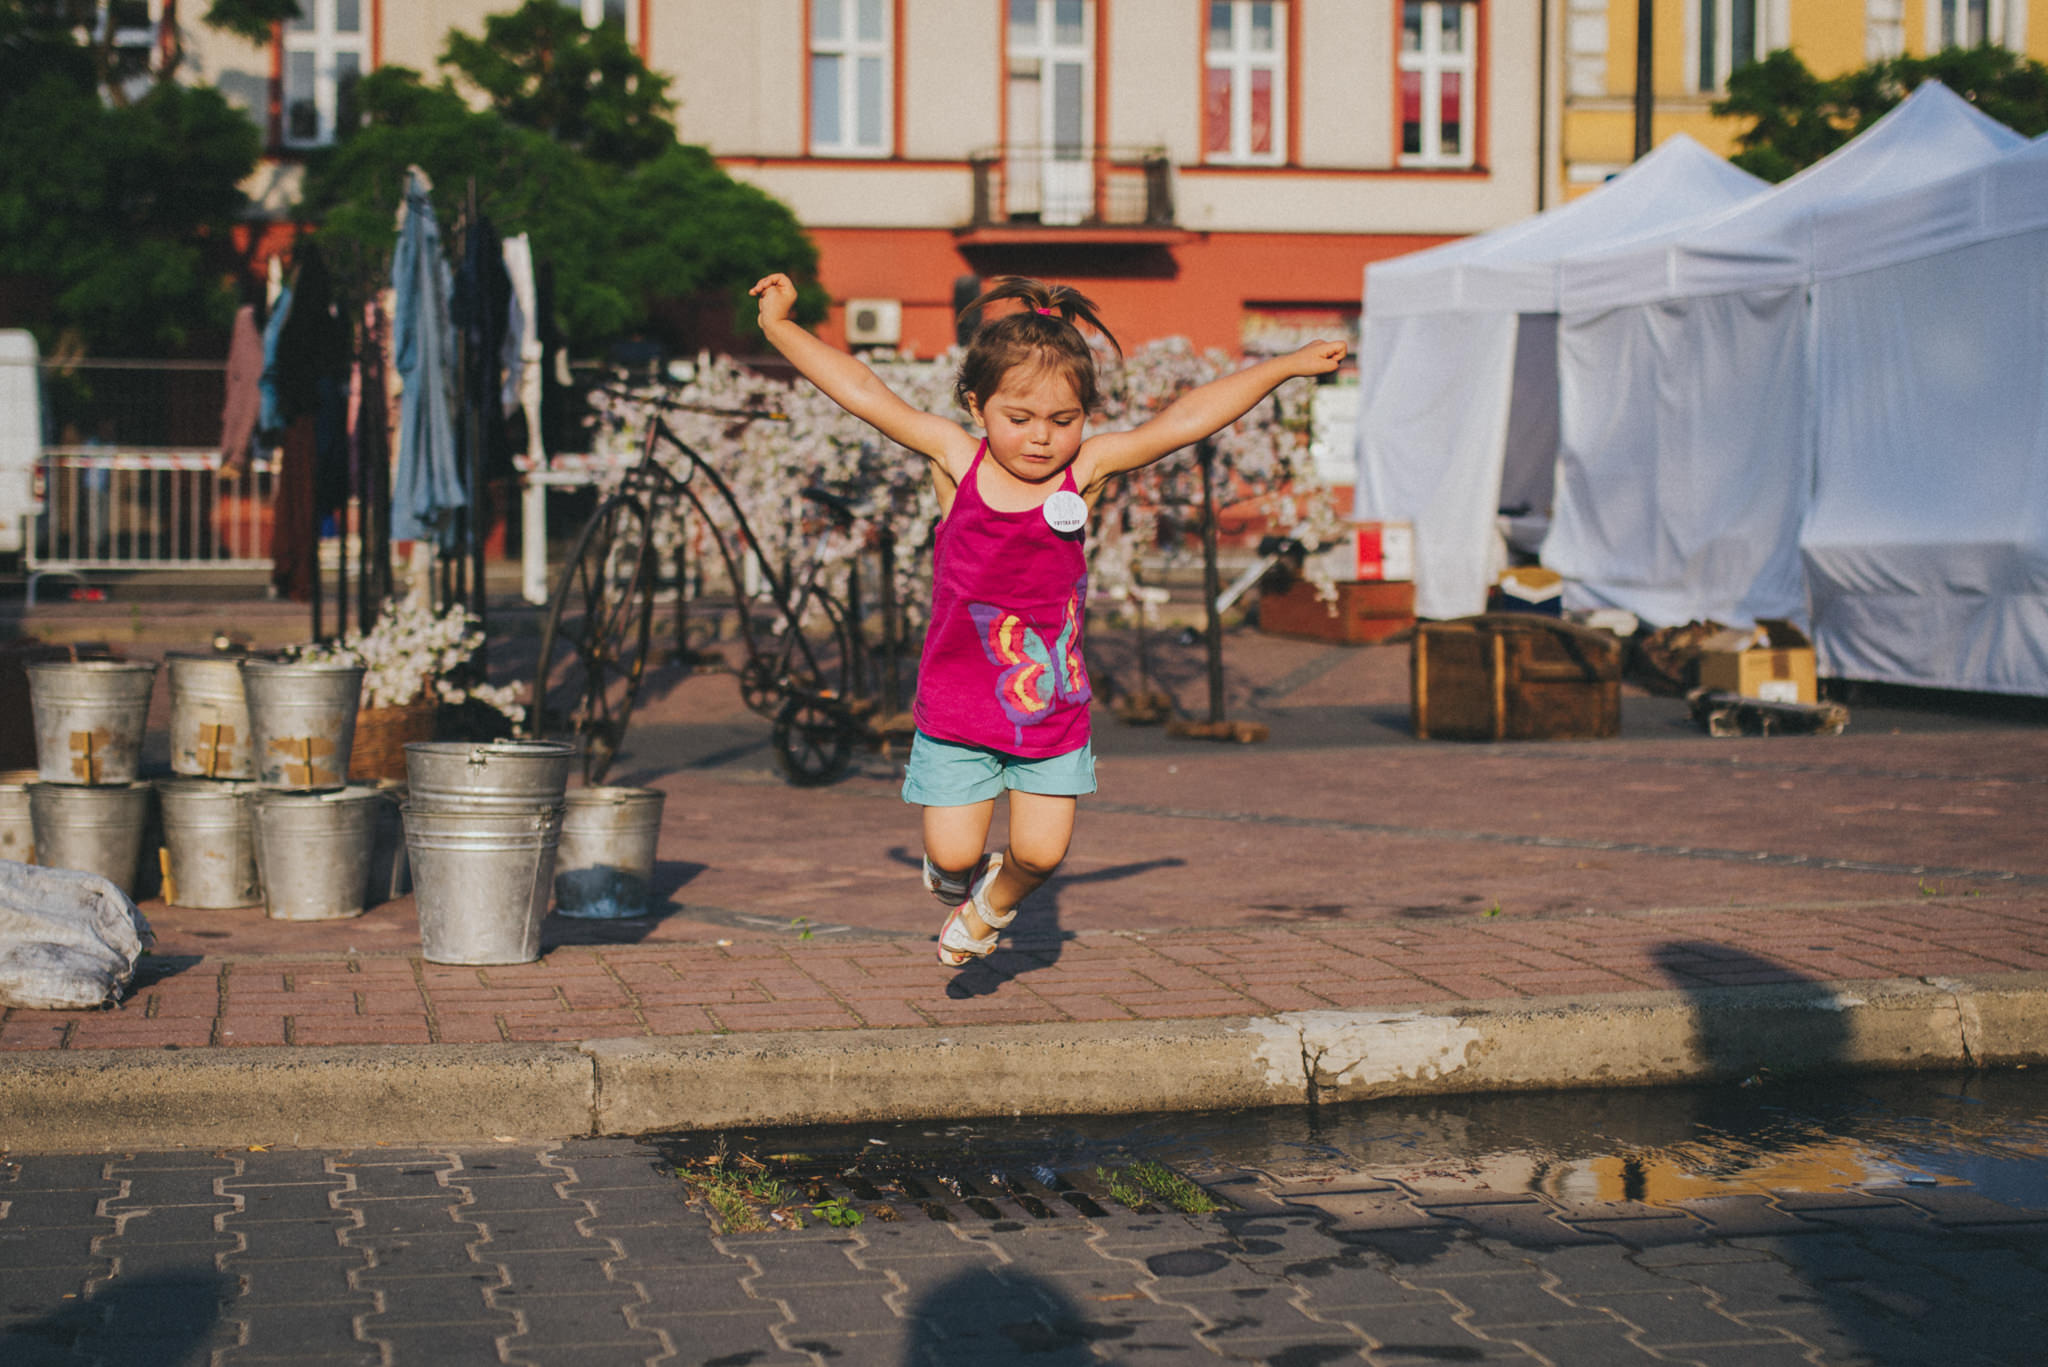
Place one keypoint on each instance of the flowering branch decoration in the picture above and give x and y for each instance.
(410, 653)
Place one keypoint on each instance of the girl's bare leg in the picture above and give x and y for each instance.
(954, 838)
(1041, 827)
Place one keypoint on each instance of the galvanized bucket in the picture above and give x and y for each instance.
(209, 717)
(390, 871)
(511, 775)
(302, 718)
(17, 828)
(481, 881)
(97, 828)
(606, 859)
(313, 851)
(90, 716)
(209, 848)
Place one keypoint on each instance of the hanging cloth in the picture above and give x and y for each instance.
(483, 296)
(525, 335)
(243, 400)
(429, 488)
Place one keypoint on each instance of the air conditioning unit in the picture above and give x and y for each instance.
(874, 322)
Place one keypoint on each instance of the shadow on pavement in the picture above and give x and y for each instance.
(162, 1319)
(1035, 939)
(977, 1316)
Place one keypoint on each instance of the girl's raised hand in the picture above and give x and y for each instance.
(1318, 358)
(777, 294)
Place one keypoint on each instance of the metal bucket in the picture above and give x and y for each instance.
(97, 828)
(481, 881)
(313, 851)
(17, 828)
(209, 848)
(90, 716)
(506, 774)
(606, 859)
(390, 872)
(209, 717)
(302, 721)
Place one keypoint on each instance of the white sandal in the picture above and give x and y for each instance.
(950, 888)
(956, 946)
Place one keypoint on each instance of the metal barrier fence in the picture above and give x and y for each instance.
(104, 509)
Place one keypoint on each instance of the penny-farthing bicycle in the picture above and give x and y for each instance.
(807, 666)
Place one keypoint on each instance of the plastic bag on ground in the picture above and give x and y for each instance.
(68, 940)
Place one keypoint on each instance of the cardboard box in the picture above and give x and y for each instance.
(1371, 553)
(1364, 612)
(1772, 661)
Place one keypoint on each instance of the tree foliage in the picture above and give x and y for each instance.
(1798, 117)
(121, 212)
(543, 69)
(626, 216)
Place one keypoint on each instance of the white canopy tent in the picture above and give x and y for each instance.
(1926, 546)
(1457, 366)
(1686, 380)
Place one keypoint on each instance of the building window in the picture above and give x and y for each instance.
(1439, 66)
(1729, 34)
(323, 60)
(1964, 23)
(850, 78)
(1244, 82)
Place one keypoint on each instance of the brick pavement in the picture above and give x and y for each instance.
(585, 1253)
(872, 981)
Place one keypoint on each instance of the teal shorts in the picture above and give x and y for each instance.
(944, 773)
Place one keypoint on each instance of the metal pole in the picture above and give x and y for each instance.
(1212, 581)
(1646, 94)
(479, 496)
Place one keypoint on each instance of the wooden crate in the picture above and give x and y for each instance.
(1514, 676)
(1365, 612)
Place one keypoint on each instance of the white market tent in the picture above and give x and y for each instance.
(1457, 366)
(1687, 376)
(1926, 545)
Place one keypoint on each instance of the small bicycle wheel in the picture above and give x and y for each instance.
(813, 745)
(593, 647)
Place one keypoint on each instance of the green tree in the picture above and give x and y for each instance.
(574, 148)
(1797, 117)
(118, 213)
(543, 69)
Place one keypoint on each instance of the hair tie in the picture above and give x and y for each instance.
(1054, 313)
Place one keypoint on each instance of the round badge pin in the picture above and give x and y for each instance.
(1066, 511)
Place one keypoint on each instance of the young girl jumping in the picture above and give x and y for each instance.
(1002, 692)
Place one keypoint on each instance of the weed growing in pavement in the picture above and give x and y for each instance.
(742, 1195)
(1493, 910)
(1122, 1191)
(1928, 889)
(1170, 1187)
(802, 926)
(837, 1213)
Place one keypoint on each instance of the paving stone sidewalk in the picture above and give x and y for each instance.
(585, 1253)
(853, 981)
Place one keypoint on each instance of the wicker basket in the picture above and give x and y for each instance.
(381, 737)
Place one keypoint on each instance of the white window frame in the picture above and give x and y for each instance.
(1433, 62)
(1773, 31)
(1241, 60)
(326, 46)
(593, 15)
(2004, 25)
(850, 49)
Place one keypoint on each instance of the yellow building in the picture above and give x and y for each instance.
(1696, 43)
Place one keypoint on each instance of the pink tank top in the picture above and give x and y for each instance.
(1002, 664)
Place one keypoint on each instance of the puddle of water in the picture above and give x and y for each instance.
(1988, 1131)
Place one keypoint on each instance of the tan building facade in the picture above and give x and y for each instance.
(1697, 43)
(1219, 169)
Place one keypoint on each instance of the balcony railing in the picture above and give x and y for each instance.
(1077, 187)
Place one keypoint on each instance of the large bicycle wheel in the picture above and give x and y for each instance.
(593, 648)
(813, 740)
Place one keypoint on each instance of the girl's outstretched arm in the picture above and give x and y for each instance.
(850, 384)
(1201, 412)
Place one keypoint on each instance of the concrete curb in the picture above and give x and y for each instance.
(135, 1099)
